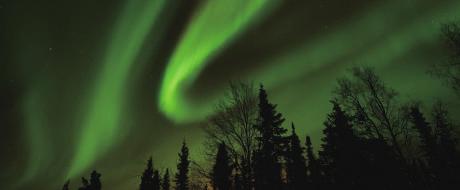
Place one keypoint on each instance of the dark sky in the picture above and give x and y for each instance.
(105, 84)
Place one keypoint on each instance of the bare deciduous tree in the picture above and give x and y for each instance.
(375, 107)
(233, 124)
(449, 70)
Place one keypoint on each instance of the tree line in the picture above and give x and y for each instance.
(371, 140)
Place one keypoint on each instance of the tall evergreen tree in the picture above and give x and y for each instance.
(147, 176)
(165, 185)
(445, 134)
(85, 184)
(427, 145)
(296, 168)
(267, 170)
(182, 180)
(427, 139)
(447, 165)
(156, 180)
(95, 181)
(222, 169)
(313, 168)
(339, 153)
(66, 185)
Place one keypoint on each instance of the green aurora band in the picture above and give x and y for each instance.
(374, 38)
(202, 42)
(101, 126)
(214, 26)
(40, 149)
(377, 37)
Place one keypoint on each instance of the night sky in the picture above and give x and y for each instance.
(105, 84)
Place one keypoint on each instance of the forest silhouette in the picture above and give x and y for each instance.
(371, 140)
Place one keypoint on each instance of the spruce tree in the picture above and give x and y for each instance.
(424, 130)
(296, 168)
(85, 184)
(267, 170)
(147, 176)
(447, 165)
(339, 155)
(182, 180)
(222, 169)
(165, 185)
(66, 185)
(95, 181)
(156, 181)
(313, 168)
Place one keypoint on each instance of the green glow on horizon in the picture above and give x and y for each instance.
(101, 125)
(214, 26)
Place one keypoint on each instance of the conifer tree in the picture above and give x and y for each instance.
(267, 170)
(66, 185)
(165, 185)
(296, 168)
(156, 181)
(313, 167)
(147, 176)
(428, 143)
(222, 169)
(447, 165)
(339, 156)
(85, 184)
(95, 181)
(182, 180)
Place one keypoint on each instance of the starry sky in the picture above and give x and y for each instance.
(105, 84)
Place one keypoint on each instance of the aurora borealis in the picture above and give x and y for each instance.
(104, 84)
(199, 44)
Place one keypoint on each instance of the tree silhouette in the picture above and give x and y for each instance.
(156, 181)
(222, 170)
(66, 185)
(427, 144)
(267, 158)
(181, 179)
(296, 168)
(165, 185)
(374, 106)
(147, 176)
(337, 134)
(427, 139)
(341, 158)
(449, 70)
(85, 184)
(233, 123)
(314, 180)
(447, 167)
(94, 182)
